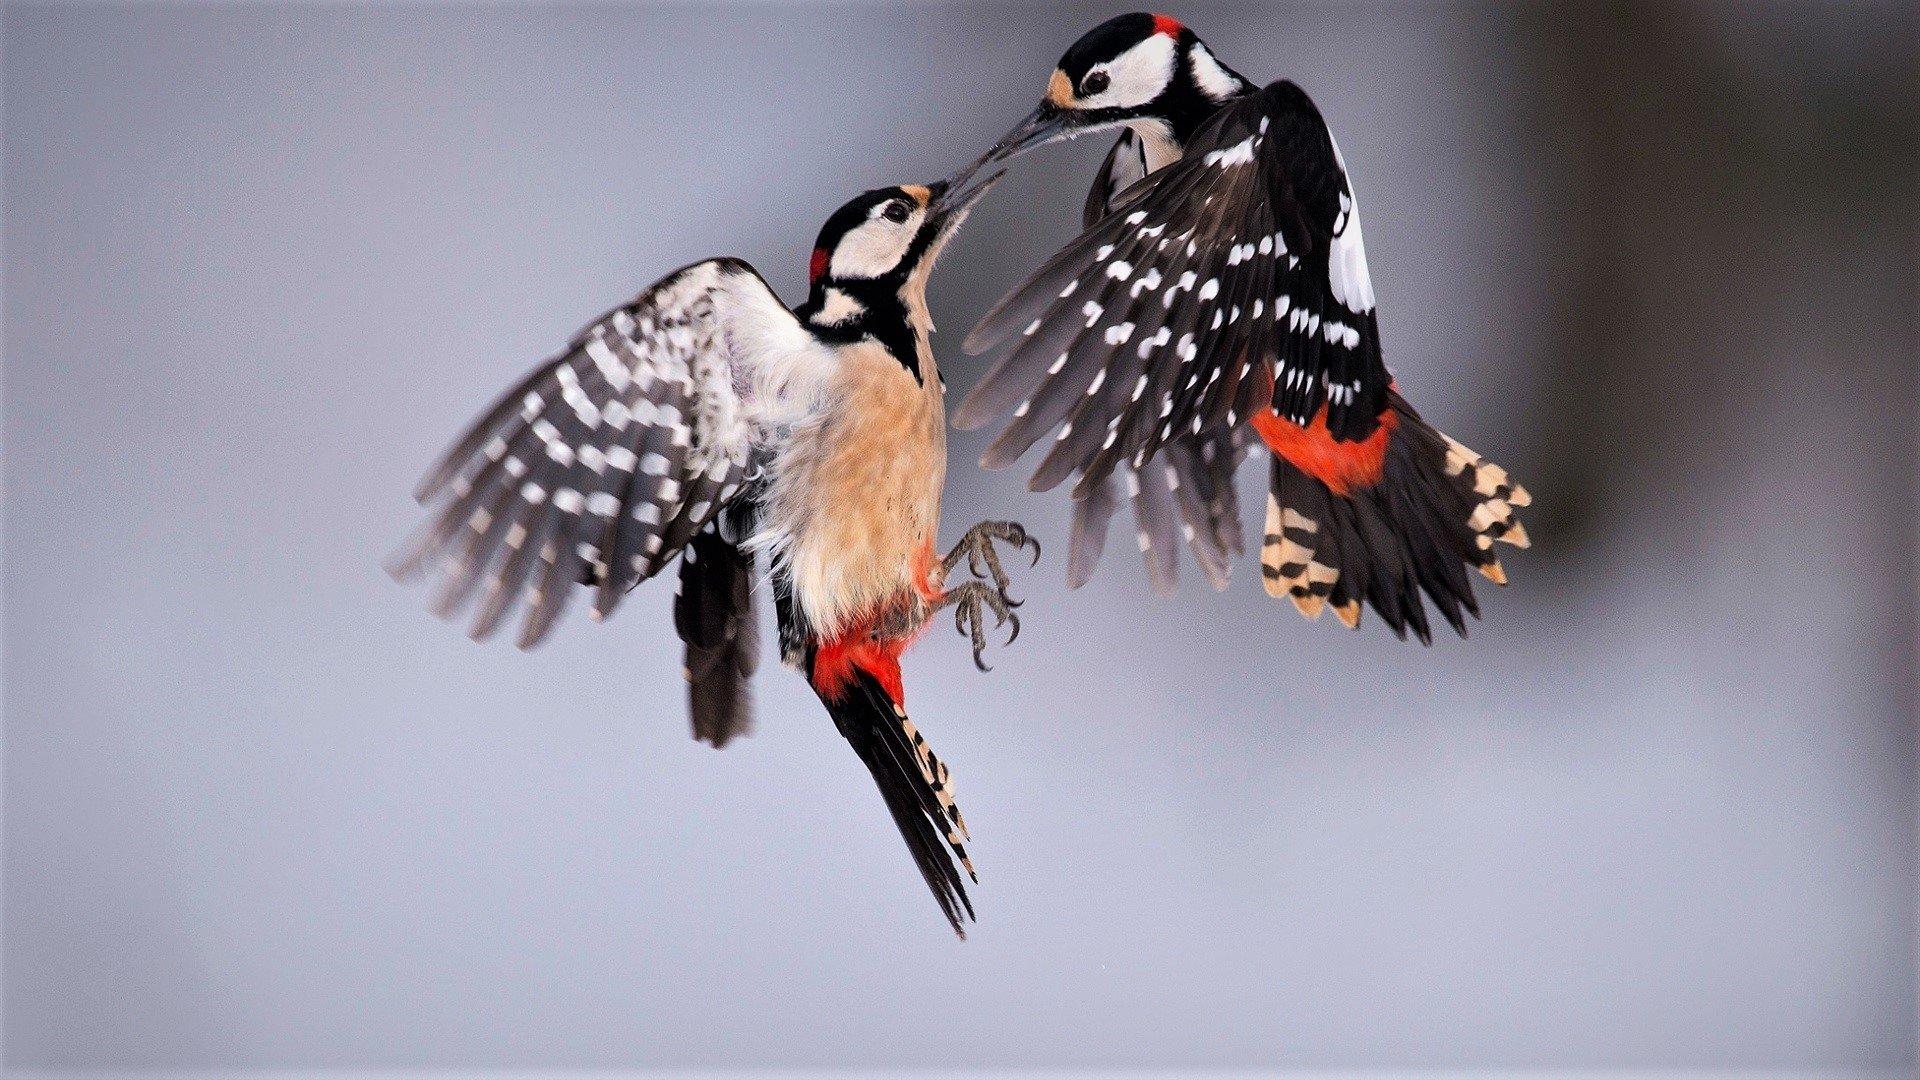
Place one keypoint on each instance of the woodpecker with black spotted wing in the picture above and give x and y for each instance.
(1219, 301)
(706, 421)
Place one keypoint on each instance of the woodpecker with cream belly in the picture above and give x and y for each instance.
(1217, 303)
(707, 422)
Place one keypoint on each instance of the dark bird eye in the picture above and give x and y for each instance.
(895, 211)
(1094, 84)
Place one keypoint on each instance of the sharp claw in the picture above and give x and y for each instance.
(989, 589)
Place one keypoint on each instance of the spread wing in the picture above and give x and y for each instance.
(1231, 281)
(602, 464)
(1190, 491)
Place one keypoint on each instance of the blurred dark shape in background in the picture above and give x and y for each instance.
(261, 811)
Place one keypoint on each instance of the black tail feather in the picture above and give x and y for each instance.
(1437, 510)
(713, 612)
(885, 740)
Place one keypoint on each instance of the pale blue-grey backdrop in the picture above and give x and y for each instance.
(262, 811)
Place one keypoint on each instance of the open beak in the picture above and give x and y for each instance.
(1045, 123)
(954, 197)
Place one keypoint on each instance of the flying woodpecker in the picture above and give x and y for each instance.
(1219, 301)
(706, 421)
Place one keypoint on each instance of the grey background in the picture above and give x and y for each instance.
(262, 811)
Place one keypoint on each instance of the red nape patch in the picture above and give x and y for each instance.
(1168, 25)
(817, 268)
(835, 662)
(1342, 466)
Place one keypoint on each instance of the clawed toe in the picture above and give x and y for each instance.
(1021, 540)
(970, 600)
(989, 590)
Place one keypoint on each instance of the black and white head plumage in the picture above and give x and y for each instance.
(1142, 66)
(877, 236)
(1148, 73)
(869, 266)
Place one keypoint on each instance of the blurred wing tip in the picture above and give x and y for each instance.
(985, 333)
(533, 634)
(966, 418)
(403, 567)
(1043, 480)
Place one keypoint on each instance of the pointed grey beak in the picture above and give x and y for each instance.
(1044, 124)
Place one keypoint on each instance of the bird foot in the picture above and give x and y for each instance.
(972, 600)
(976, 544)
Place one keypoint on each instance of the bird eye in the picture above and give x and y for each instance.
(895, 211)
(1095, 83)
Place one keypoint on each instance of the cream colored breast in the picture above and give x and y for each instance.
(858, 491)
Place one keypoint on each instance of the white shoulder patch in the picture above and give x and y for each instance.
(778, 366)
(1212, 78)
(1240, 153)
(839, 307)
(1347, 262)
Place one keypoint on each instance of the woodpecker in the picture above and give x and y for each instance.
(705, 421)
(1217, 302)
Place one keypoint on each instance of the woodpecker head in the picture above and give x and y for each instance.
(874, 253)
(1148, 71)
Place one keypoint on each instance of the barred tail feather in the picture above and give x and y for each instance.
(1435, 509)
(914, 782)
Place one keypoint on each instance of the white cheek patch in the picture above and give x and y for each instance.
(1136, 76)
(873, 248)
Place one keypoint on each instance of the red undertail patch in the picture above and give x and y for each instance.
(1342, 466)
(856, 650)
